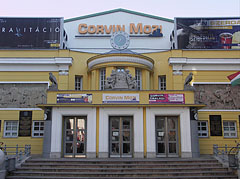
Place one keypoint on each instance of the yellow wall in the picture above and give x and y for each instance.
(91, 82)
(13, 115)
(206, 144)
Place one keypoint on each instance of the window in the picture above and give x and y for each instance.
(229, 129)
(138, 77)
(162, 82)
(78, 83)
(215, 125)
(38, 129)
(202, 129)
(10, 128)
(102, 78)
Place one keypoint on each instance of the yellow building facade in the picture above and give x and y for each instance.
(119, 103)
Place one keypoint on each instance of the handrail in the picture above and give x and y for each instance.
(227, 155)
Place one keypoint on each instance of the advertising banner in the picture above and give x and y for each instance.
(74, 98)
(120, 98)
(207, 33)
(167, 98)
(31, 33)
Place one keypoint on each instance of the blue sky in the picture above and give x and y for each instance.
(163, 8)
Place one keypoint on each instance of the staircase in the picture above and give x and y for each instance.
(74, 168)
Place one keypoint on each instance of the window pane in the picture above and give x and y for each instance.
(138, 78)
(102, 78)
(232, 128)
(38, 128)
(14, 134)
(162, 82)
(78, 83)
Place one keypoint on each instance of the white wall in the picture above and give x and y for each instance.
(185, 132)
(118, 18)
(57, 116)
(104, 114)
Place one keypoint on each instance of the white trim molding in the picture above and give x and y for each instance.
(21, 109)
(36, 64)
(211, 83)
(25, 82)
(218, 110)
(203, 64)
(138, 60)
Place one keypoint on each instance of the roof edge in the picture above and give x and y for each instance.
(118, 10)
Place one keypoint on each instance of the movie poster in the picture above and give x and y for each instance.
(207, 33)
(31, 33)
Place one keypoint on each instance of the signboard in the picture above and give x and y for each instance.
(25, 123)
(207, 33)
(31, 33)
(120, 98)
(74, 98)
(135, 30)
(167, 98)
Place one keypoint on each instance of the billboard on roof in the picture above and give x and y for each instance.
(207, 33)
(31, 33)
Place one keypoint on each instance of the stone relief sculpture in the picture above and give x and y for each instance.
(120, 80)
(54, 85)
(218, 96)
(187, 85)
(22, 95)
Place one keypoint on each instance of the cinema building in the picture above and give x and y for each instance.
(117, 84)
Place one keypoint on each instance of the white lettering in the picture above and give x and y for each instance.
(57, 29)
(37, 29)
(10, 30)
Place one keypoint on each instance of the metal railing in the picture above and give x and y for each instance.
(227, 155)
(15, 155)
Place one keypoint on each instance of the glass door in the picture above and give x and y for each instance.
(120, 136)
(75, 136)
(166, 136)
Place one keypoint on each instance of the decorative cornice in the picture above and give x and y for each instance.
(205, 61)
(25, 82)
(35, 64)
(124, 59)
(118, 10)
(201, 64)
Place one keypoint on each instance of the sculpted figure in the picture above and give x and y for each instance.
(54, 85)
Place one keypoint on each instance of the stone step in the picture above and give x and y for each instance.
(119, 161)
(75, 168)
(122, 174)
(143, 169)
(148, 177)
(96, 165)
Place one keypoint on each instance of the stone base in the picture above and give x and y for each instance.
(151, 155)
(138, 155)
(186, 155)
(91, 155)
(55, 155)
(103, 155)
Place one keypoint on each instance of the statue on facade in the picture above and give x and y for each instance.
(54, 85)
(120, 80)
(188, 79)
